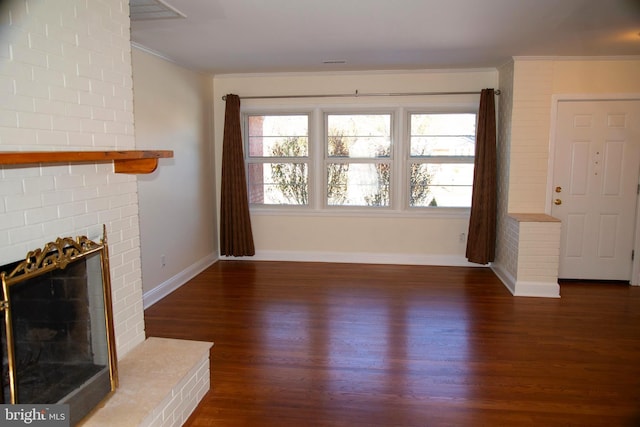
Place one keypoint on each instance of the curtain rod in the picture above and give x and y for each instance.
(357, 94)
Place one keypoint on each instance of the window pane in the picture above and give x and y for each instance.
(359, 135)
(443, 134)
(278, 136)
(441, 184)
(278, 183)
(443, 124)
(443, 146)
(358, 184)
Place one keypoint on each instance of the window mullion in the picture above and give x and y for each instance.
(398, 175)
(316, 144)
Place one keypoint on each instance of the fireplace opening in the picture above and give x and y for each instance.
(57, 334)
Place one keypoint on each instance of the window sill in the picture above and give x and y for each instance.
(427, 213)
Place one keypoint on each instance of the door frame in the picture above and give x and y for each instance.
(555, 100)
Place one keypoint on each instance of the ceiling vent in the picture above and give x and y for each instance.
(144, 10)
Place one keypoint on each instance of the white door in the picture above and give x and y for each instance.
(595, 189)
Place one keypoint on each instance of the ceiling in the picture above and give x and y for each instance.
(258, 36)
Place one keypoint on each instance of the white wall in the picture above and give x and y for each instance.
(65, 84)
(598, 79)
(599, 76)
(529, 150)
(422, 239)
(536, 82)
(174, 110)
(525, 129)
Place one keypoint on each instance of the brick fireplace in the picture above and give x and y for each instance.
(66, 83)
(57, 345)
(70, 70)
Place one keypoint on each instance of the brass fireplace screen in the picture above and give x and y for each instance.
(58, 336)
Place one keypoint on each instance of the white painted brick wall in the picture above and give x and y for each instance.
(65, 84)
(539, 251)
(507, 228)
(527, 251)
(529, 144)
(184, 398)
(511, 246)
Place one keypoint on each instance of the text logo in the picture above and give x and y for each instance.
(34, 415)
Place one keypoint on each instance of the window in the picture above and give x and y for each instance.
(278, 159)
(358, 159)
(441, 156)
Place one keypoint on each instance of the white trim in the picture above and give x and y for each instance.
(172, 8)
(359, 258)
(594, 97)
(505, 277)
(358, 72)
(578, 58)
(537, 289)
(165, 288)
(152, 52)
(525, 288)
(157, 54)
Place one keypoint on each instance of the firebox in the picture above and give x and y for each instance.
(57, 332)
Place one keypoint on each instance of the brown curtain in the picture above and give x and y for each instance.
(481, 241)
(236, 237)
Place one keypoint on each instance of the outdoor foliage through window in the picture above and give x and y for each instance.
(358, 166)
(358, 161)
(442, 149)
(278, 161)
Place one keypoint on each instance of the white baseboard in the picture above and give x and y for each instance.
(165, 288)
(520, 288)
(505, 277)
(517, 288)
(537, 289)
(359, 258)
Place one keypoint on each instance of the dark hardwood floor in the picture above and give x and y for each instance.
(313, 344)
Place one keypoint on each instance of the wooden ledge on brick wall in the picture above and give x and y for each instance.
(533, 217)
(131, 161)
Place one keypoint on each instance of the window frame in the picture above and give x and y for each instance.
(263, 160)
(316, 159)
(326, 159)
(409, 159)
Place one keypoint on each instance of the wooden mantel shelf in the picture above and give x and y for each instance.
(132, 161)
